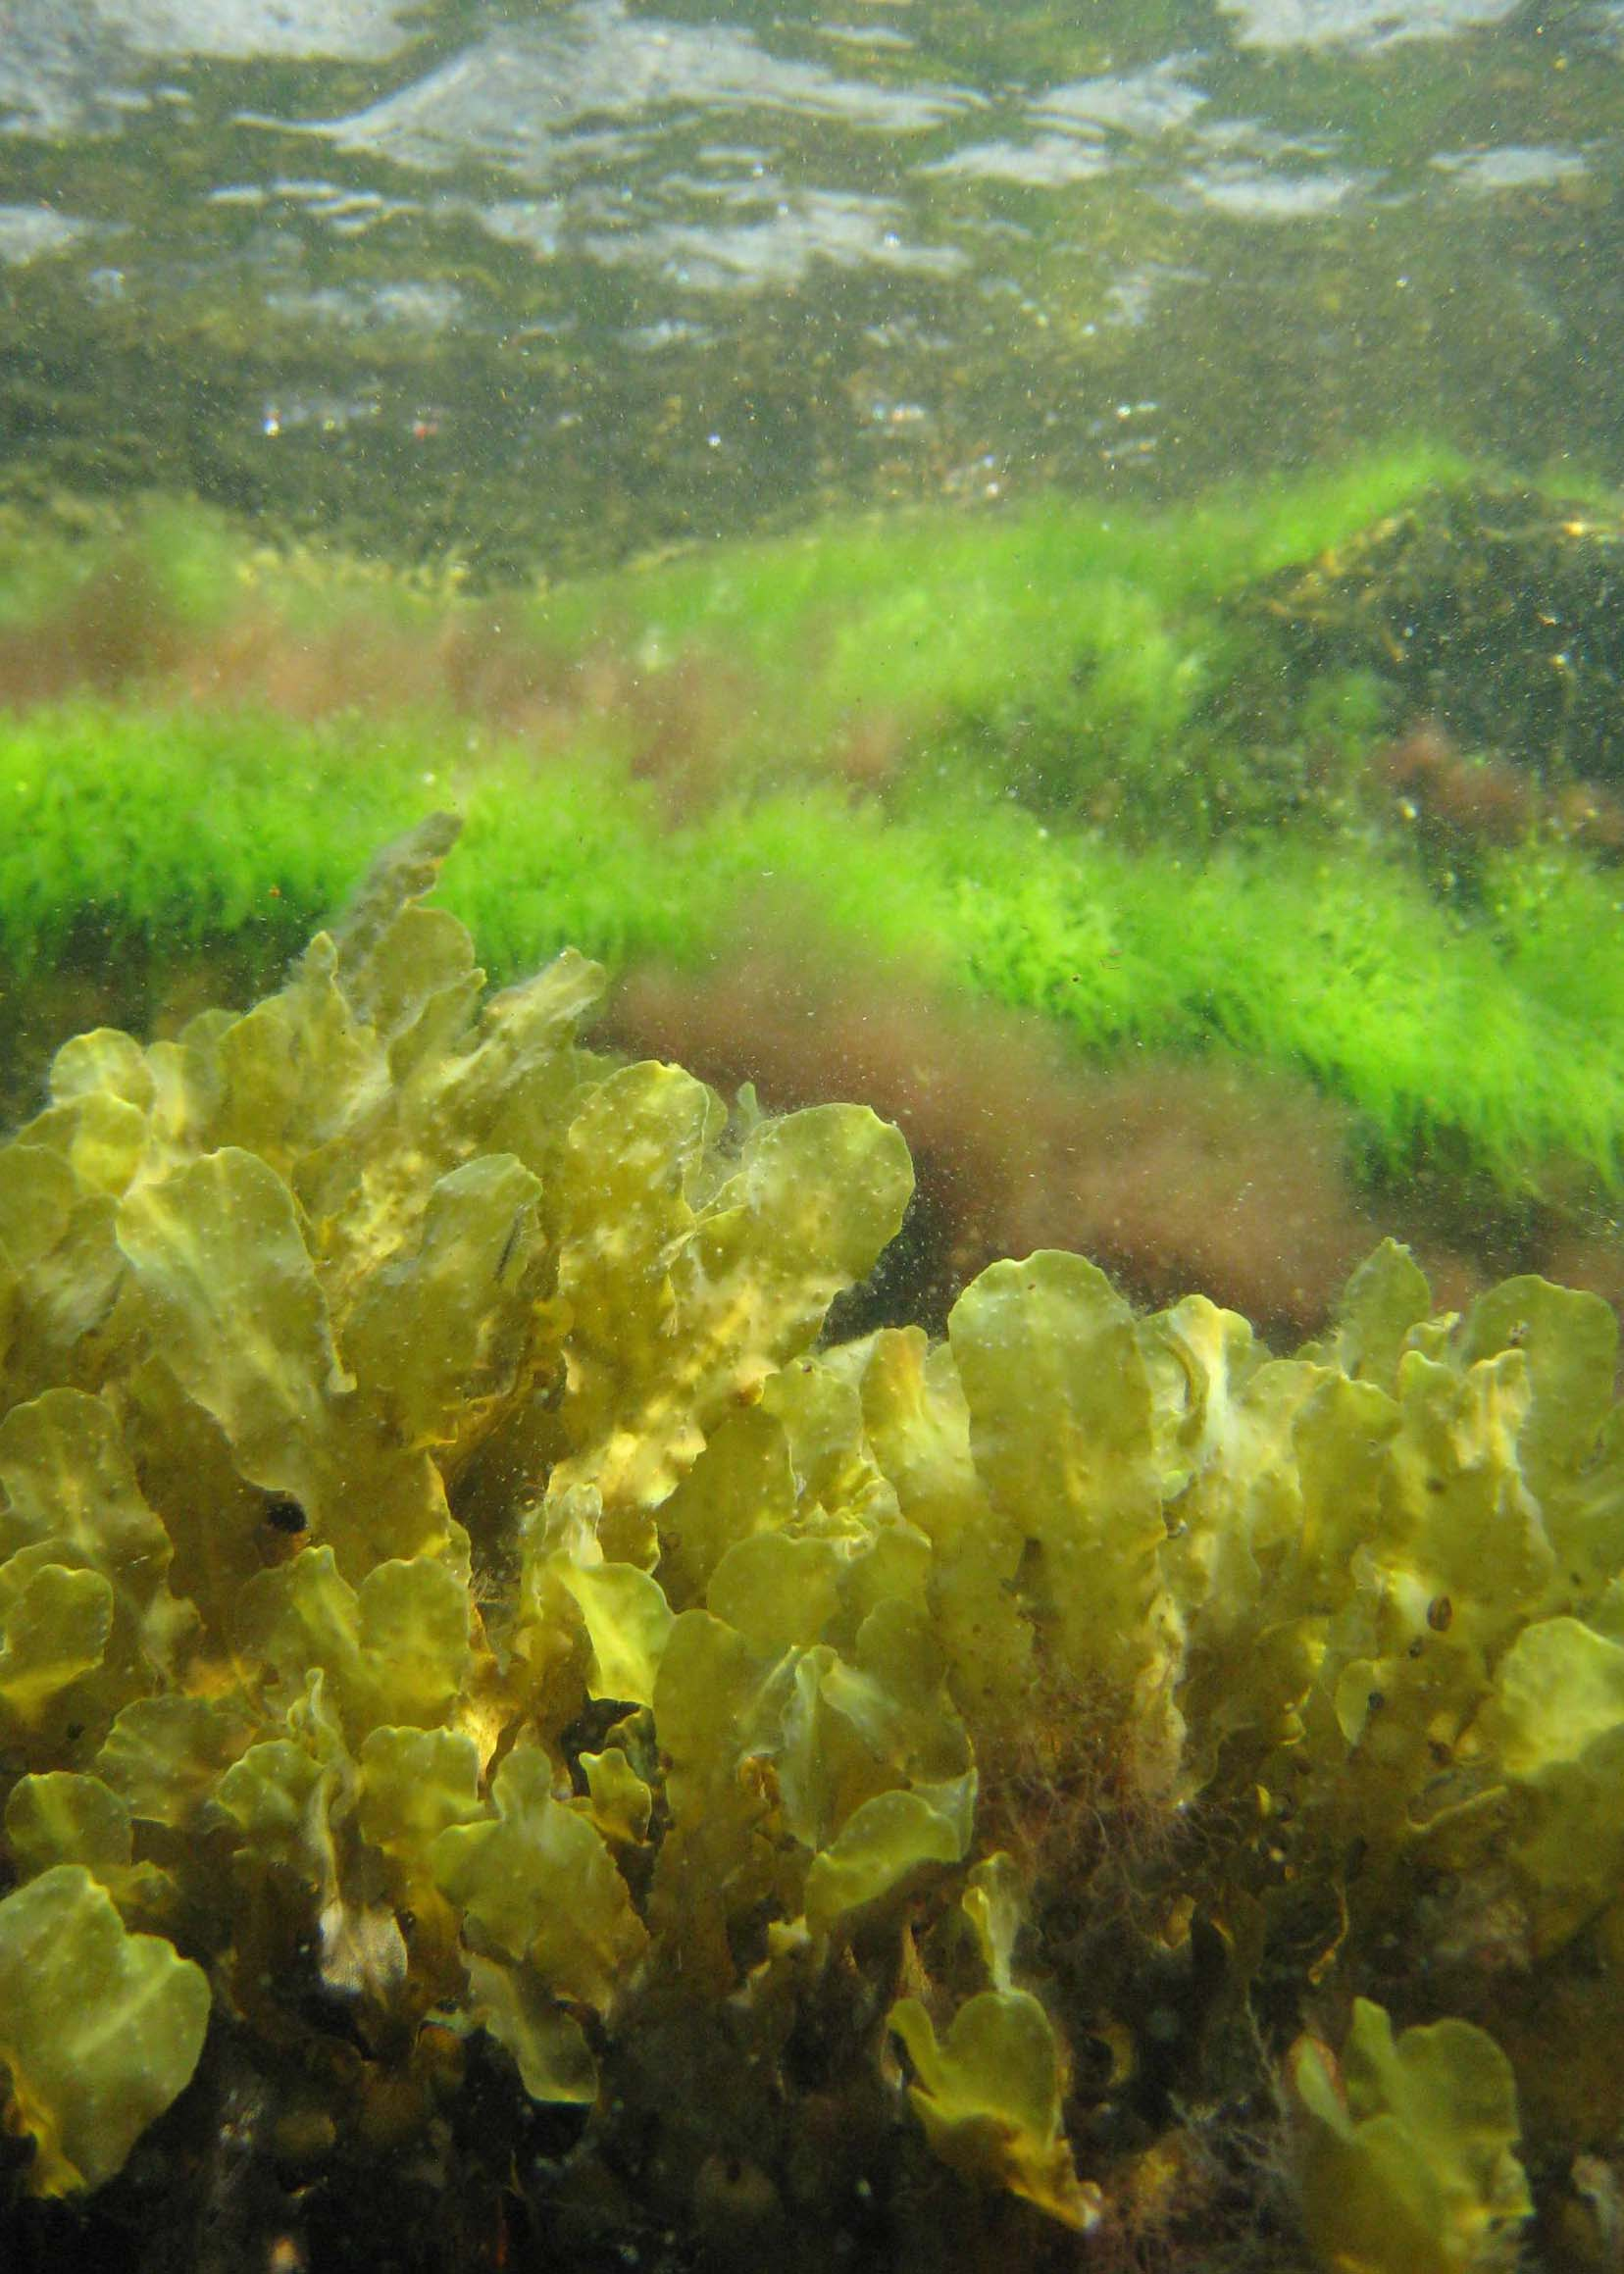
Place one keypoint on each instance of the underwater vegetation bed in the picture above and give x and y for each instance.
(1257, 821)
(519, 1746)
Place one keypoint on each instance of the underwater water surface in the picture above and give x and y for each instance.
(551, 283)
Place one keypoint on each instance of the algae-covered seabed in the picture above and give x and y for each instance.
(1191, 883)
(1055, 576)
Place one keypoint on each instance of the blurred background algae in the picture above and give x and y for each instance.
(1205, 826)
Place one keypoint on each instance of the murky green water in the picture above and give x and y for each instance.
(548, 284)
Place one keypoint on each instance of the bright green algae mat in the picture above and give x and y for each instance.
(1066, 627)
(1499, 1031)
(1486, 1022)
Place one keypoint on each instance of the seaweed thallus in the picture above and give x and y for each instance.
(459, 1623)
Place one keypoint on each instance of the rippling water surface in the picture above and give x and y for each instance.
(557, 281)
